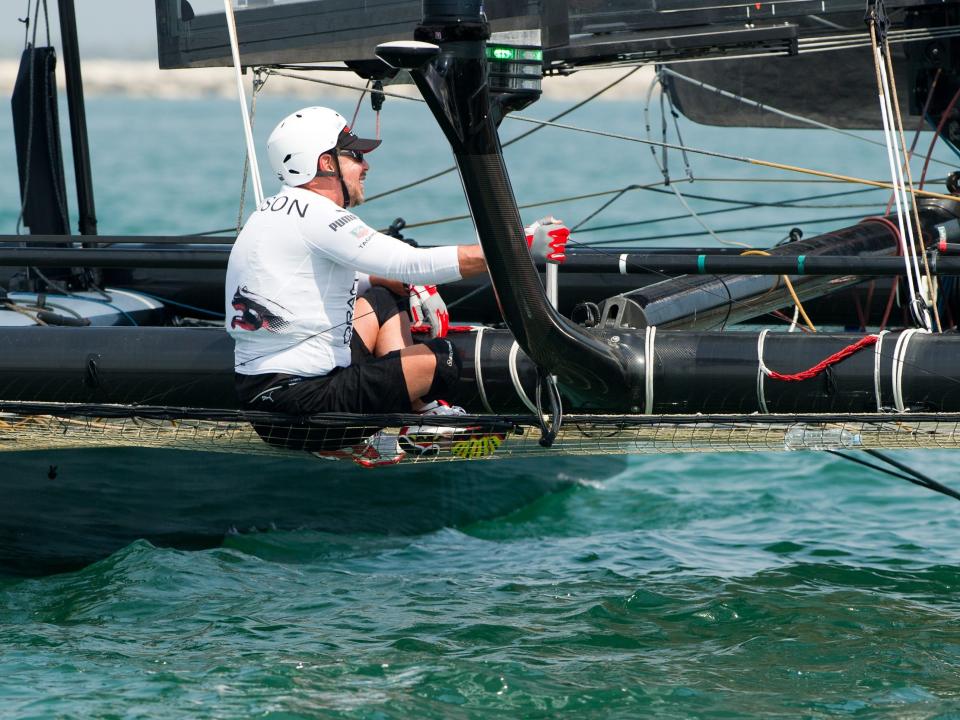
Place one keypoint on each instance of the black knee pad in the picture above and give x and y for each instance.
(447, 372)
(384, 303)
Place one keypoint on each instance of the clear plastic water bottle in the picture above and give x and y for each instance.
(808, 437)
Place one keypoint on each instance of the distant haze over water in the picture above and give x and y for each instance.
(143, 78)
(106, 28)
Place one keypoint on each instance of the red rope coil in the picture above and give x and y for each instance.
(824, 364)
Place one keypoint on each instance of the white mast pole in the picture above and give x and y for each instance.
(247, 131)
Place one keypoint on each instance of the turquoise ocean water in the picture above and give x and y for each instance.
(728, 585)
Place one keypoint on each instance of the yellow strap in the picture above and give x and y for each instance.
(793, 293)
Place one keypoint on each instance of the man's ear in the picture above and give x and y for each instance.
(325, 165)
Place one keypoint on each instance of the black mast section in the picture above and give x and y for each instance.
(78, 119)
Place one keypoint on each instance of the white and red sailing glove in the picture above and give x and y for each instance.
(547, 240)
(427, 309)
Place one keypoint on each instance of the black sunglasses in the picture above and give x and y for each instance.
(355, 154)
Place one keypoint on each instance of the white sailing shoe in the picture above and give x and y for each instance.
(428, 438)
(441, 407)
(380, 449)
(425, 440)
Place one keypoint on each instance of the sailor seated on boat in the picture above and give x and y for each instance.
(315, 298)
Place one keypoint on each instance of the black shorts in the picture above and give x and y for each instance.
(369, 385)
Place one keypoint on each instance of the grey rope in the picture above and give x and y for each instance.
(665, 168)
(259, 80)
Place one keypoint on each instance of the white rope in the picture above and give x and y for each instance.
(247, 131)
(515, 378)
(897, 158)
(877, 354)
(894, 173)
(899, 360)
(902, 161)
(478, 371)
(623, 264)
(796, 316)
(762, 371)
(649, 358)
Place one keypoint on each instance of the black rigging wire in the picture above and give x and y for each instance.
(26, 25)
(652, 187)
(740, 206)
(210, 232)
(698, 233)
(656, 187)
(526, 134)
(907, 473)
(603, 207)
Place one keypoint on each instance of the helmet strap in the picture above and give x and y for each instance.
(343, 185)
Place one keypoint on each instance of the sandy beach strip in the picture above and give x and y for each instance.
(142, 78)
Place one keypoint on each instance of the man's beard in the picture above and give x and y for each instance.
(356, 194)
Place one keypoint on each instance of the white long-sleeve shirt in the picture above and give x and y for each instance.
(293, 278)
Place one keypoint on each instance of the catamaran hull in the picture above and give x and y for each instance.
(66, 509)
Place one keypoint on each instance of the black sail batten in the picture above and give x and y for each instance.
(36, 130)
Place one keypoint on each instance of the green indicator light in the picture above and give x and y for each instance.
(501, 53)
(508, 53)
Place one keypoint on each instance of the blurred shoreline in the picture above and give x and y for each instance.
(143, 79)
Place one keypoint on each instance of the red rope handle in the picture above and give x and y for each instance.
(824, 364)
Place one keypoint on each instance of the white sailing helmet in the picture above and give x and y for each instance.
(296, 144)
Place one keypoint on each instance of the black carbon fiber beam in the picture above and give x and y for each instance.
(78, 118)
(710, 264)
(693, 373)
(454, 85)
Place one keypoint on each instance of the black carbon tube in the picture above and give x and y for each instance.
(126, 365)
(692, 372)
(709, 372)
(718, 372)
